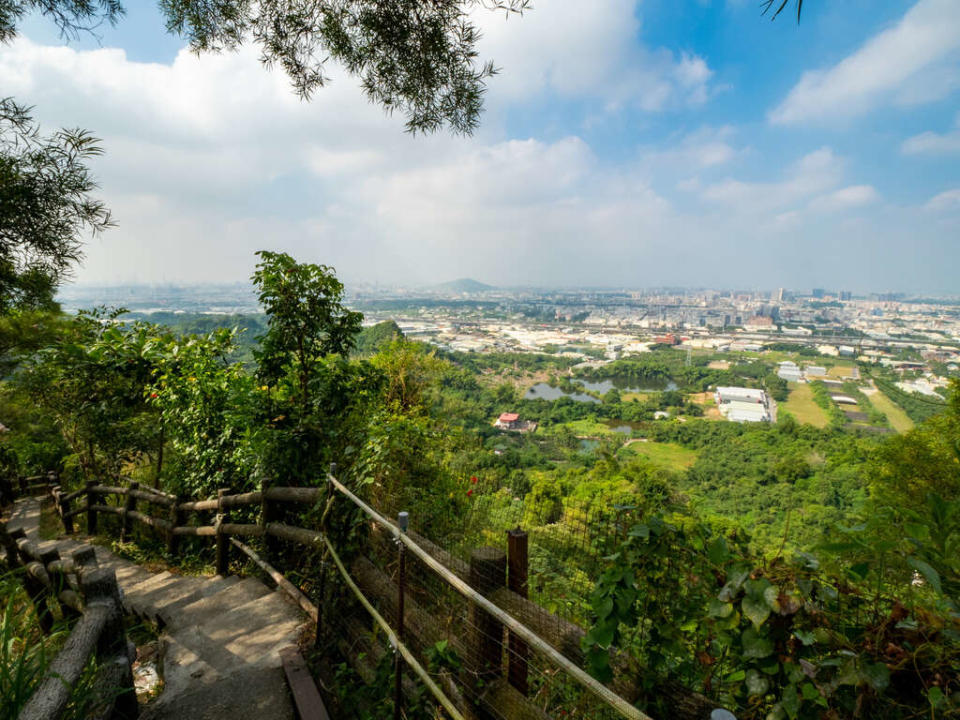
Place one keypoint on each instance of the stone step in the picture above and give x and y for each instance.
(250, 635)
(209, 608)
(248, 694)
(170, 611)
(148, 602)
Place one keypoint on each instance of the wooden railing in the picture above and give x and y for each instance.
(496, 605)
(91, 597)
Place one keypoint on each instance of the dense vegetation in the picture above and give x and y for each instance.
(782, 570)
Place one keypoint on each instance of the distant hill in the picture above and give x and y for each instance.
(464, 285)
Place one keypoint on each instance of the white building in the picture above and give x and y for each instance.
(739, 404)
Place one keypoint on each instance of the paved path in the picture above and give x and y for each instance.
(221, 636)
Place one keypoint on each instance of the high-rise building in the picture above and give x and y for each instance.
(818, 293)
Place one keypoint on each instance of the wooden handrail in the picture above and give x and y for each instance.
(503, 604)
(98, 631)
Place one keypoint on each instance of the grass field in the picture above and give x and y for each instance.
(580, 428)
(669, 455)
(800, 404)
(897, 417)
(840, 371)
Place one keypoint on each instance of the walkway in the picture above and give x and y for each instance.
(221, 636)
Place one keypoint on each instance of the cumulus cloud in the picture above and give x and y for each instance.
(854, 196)
(945, 201)
(706, 147)
(931, 143)
(914, 61)
(589, 51)
(813, 174)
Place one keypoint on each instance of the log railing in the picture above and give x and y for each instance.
(91, 597)
(496, 608)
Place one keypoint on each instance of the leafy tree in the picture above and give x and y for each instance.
(46, 206)
(419, 57)
(205, 404)
(93, 382)
(312, 390)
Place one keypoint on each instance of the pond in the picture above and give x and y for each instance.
(622, 426)
(544, 391)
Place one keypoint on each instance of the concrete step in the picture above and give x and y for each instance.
(169, 612)
(157, 594)
(248, 635)
(248, 694)
(209, 608)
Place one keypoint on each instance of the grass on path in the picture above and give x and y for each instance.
(800, 404)
(899, 420)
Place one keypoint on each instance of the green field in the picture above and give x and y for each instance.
(800, 404)
(895, 414)
(669, 455)
(580, 428)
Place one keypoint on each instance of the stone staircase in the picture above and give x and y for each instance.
(221, 636)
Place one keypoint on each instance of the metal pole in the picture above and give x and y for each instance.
(403, 520)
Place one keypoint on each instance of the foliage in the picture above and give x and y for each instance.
(92, 382)
(46, 204)
(374, 338)
(205, 403)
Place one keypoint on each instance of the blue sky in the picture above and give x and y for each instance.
(689, 142)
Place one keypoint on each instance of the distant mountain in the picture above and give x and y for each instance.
(464, 285)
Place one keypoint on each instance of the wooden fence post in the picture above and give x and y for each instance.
(129, 505)
(176, 520)
(517, 651)
(100, 587)
(35, 589)
(91, 513)
(488, 566)
(9, 546)
(223, 541)
(268, 514)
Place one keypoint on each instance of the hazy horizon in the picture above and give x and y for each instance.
(633, 145)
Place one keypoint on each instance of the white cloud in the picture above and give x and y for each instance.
(211, 158)
(589, 52)
(946, 201)
(813, 174)
(931, 143)
(912, 62)
(706, 147)
(854, 196)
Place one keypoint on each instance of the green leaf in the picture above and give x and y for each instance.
(720, 609)
(925, 569)
(805, 636)
(756, 610)
(756, 683)
(790, 701)
(755, 645)
(877, 675)
(935, 697)
(640, 530)
(736, 676)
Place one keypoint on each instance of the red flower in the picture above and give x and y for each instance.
(473, 479)
(153, 395)
(469, 492)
